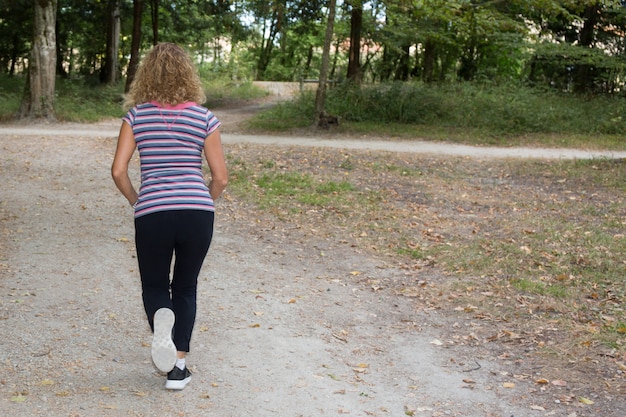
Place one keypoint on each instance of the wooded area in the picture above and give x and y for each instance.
(575, 46)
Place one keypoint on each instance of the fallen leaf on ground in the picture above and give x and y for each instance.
(18, 399)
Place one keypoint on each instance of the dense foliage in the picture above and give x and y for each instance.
(564, 44)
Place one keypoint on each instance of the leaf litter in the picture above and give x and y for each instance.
(504, 248)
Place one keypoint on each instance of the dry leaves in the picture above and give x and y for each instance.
(511, 251)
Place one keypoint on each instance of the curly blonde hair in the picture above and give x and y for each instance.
(166, 75)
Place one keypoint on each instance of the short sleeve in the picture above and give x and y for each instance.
(212, 123)
(130, 117)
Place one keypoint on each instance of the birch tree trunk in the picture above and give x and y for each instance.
(38, 98)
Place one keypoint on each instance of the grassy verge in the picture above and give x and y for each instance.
(222, 90)
(535, 248)
(76, 101)
(11, 89)
(87, 101)
(464, 113)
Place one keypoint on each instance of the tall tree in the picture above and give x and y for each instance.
(354, 53)
(110, 70)
(320, 97)
(154, 8)
(136, 43)
(272, 25)
(38, 99)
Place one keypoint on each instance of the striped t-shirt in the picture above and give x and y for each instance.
(170, 140)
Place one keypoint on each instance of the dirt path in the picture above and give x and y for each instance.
(285, 327)
(111, 128)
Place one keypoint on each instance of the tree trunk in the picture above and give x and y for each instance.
(307, 65)
(110, 72)
(320, 97)
(136, 43)
(389, 57)
(354, 56)
(268, 46)
(584, 75)
(468, 67)
(428, 66)
(155, 21)
(38, 99)
(333, 69)
(403, 69)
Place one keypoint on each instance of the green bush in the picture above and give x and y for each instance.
(81, 101)
(11, 90)
(468, 112)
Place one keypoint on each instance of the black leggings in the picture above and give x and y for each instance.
(187, 235)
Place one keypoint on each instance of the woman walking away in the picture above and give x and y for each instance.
(174, 209)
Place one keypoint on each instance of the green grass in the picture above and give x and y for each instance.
(86, 101)
(506, 115)
(11, 90)
(277, 187)
(221, 89)
(528, 286)
(286, 116)
(509, 115)
(78, 102)
(545, 238)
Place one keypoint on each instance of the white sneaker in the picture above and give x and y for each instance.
(163, 348)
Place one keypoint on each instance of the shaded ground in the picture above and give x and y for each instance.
(292, 320)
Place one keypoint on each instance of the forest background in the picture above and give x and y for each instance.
(505, 72)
